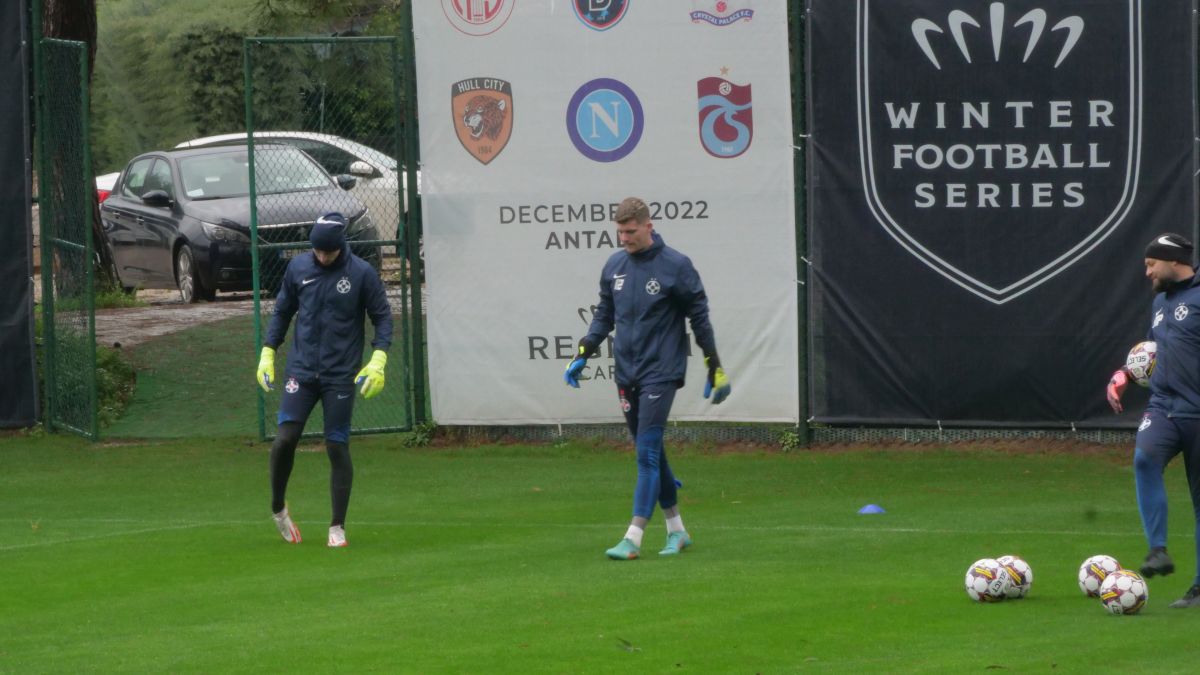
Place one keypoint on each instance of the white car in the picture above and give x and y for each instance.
(104, 185)
(376, 171)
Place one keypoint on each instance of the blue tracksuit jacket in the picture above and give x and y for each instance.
(329, 304)
(1175, 383)
(646, 296)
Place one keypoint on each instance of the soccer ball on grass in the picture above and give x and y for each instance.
(1124, 592)
(1020, 576)
(1094, 571)
(987, 580)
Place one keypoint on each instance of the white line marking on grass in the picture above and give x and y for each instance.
(108, 535)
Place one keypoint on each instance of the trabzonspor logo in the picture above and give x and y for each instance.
(600, 14)
(604, 120)
(478, 17)
(726, 121)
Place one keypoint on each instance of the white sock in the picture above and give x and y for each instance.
(675, 524)
(634, 534)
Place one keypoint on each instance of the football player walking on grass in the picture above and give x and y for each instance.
(1171, 423)
(328, 290)
(646, 291)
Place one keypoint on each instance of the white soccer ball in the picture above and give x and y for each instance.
(987, 580)
(1020, 576)
(1140, 362)
(1124, 592)
(1094, 571)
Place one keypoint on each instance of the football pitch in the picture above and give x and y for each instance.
(160, 557)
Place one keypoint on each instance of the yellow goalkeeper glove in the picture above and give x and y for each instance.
(266, 369)
(371, 376)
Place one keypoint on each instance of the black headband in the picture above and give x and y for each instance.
(1170, 247)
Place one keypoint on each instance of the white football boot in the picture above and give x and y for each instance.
(337, 536)
(287, 529)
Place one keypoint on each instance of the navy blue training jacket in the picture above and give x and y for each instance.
(646, 296)
(329, 304)
(1175, 383)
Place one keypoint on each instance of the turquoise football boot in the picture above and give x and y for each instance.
(676, 542)
(623, 551)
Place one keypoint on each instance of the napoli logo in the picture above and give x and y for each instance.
(726, 122)
(722, 14)
(343, 285)
(600, 14)
(604, 120)
(483, 115)
(653, 287)
(1145, 423)
(478, 17)
(1044, 172)
(292, 386)
(1181, 312)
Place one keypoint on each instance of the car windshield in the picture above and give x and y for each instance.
(225, 174)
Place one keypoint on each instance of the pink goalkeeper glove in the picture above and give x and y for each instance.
(1116, 387)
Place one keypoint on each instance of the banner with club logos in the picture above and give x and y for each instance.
(985, 178)
(537, 118)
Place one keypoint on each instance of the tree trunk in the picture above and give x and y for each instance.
(76, 20)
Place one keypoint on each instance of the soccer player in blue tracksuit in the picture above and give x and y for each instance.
(1171, 423)
(328, 290)
(646, 291)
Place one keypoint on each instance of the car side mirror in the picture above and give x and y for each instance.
(346, 181)
(156, 198)
(361, 168)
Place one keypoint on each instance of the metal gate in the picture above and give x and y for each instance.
(64, 198)
(347, 105)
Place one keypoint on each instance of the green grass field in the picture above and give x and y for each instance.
(160, 557)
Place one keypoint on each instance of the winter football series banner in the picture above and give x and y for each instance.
(984, 178)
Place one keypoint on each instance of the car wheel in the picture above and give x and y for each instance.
(190, 288)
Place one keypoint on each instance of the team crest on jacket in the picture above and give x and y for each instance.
(292, 386)
(482, 109)
(343, 285)
(600, 14)
(478, 17)
(1181, 312)
(726, 120)
(984, 121)
(653, 287)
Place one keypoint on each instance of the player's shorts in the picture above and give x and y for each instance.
(337, 405)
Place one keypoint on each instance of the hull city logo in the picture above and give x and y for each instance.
(604, 120)
(477, 17)
(722, 14)
(726, 122)
(600, 14)
(991, 146)
(482, 108)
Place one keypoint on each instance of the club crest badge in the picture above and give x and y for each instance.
(653, 287)
(625, 407)
(478, 17)
(723, 12)
(482, 109)
(984, 121)
(343, 285)
(726, 117)
(1181, 312)
(600, 14)
(604, 120)
(292, 386)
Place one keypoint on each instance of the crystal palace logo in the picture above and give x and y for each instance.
(993, 121)
(722, 14)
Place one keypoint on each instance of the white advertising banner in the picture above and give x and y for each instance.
(537, 117)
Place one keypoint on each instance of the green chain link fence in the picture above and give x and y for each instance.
(332, 111)
(64, 196)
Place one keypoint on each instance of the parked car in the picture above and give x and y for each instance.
(181, 219)
(104, 185)
(376, 171)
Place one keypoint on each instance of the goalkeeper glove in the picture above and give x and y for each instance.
(371, 376)
(1116, 387)
(717, 384)
(266, 369)
(573, 374)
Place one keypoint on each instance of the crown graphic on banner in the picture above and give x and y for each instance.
(957, 20)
